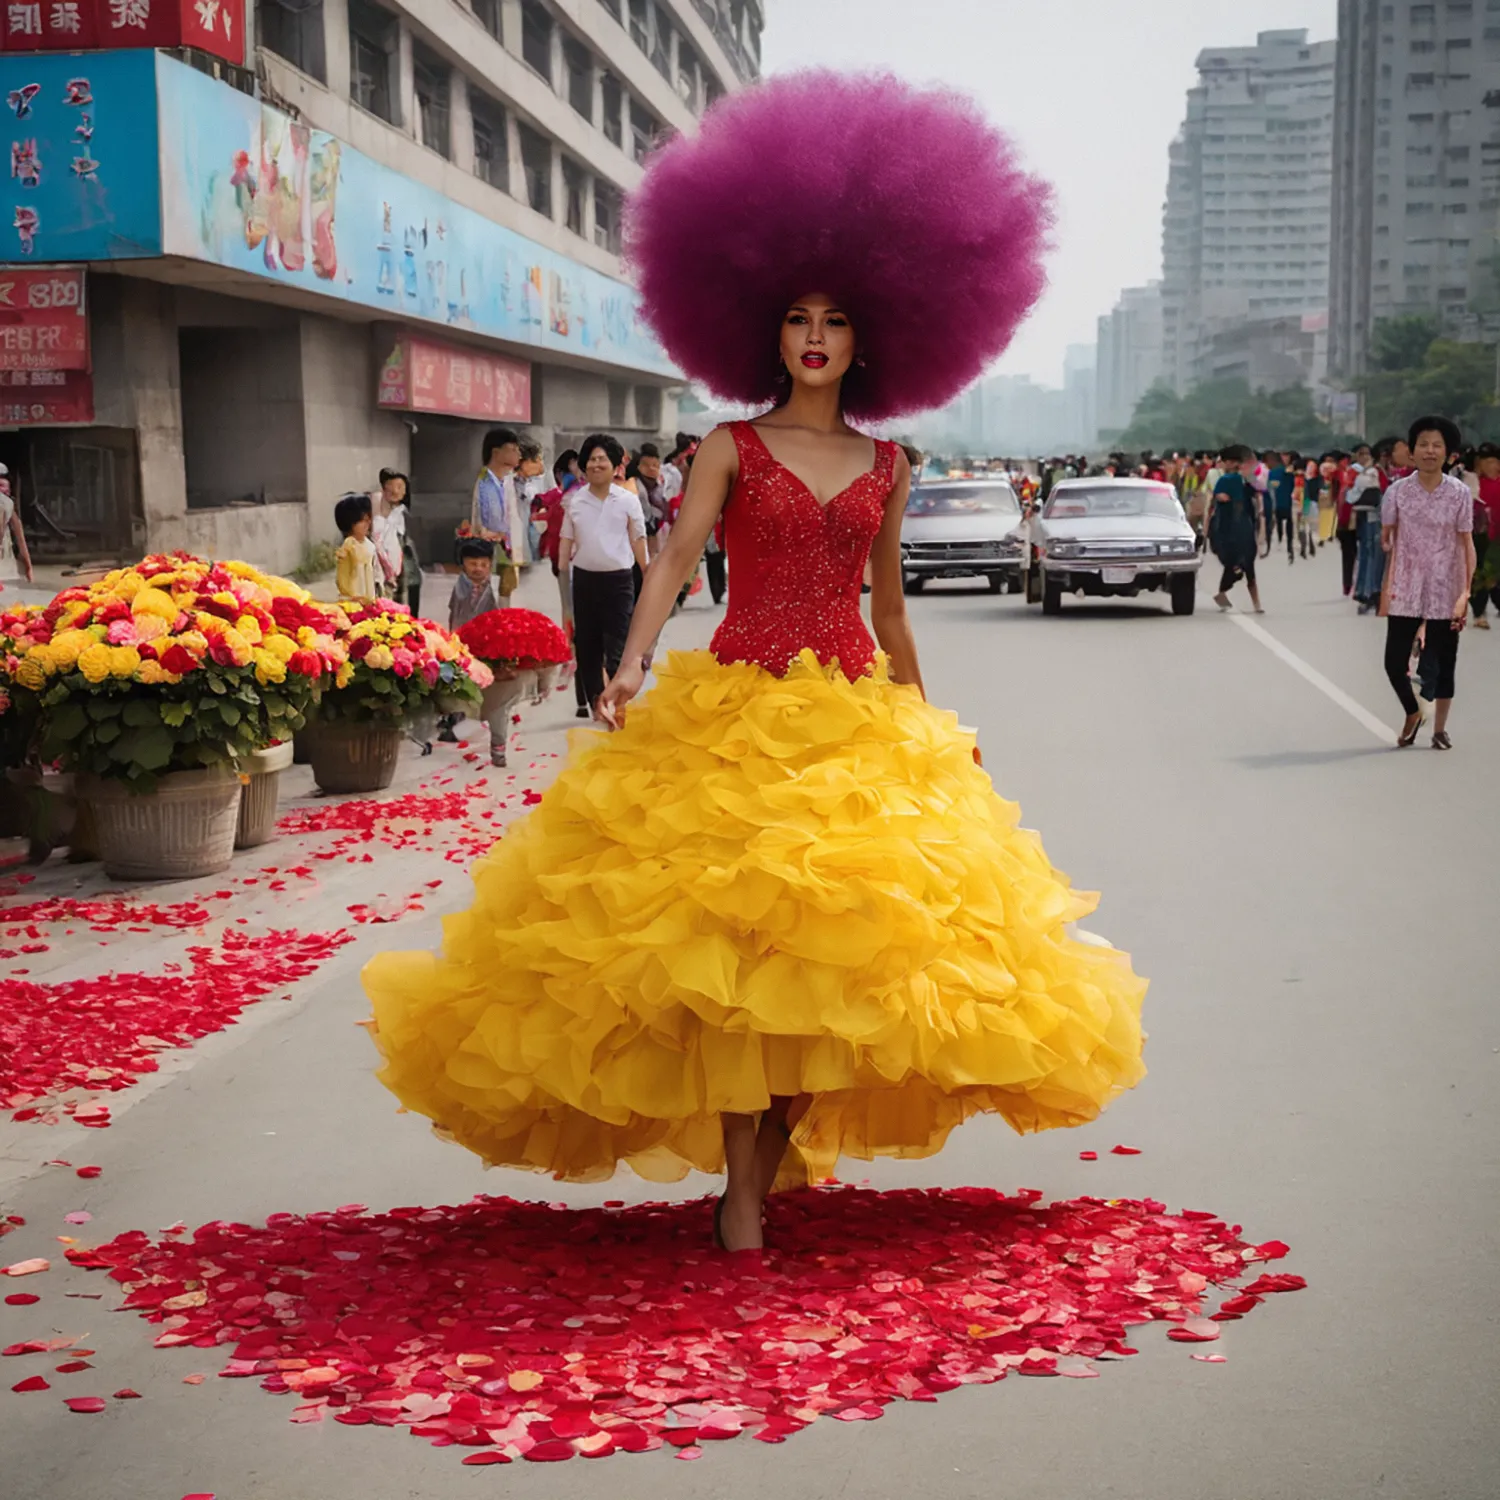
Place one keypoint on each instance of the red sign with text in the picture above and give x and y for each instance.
(215, 26)
(423, 375)
(44, 323)
(45, 398)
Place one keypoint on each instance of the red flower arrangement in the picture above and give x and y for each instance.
(521, 638)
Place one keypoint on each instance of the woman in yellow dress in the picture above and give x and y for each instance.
(781, 914)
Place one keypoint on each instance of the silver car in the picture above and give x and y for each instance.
(962, 528)
(1114, 539)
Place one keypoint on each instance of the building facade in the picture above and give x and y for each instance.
(394, 226)
(1416, 206)
(1245, 228)
(1129, 357)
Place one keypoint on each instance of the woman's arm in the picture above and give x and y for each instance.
(639, 552)
(1470, 563)
(887, 601)
(708, 489)
(23, 552)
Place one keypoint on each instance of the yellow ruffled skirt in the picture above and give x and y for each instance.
(760, 886)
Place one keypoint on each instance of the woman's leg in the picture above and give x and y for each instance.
(1400, 634)
(739, 1214)
(588, 634)
(1479, 598)
(1442, 642)
(1348, 552)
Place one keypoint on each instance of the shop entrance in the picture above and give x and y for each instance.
(78, 492)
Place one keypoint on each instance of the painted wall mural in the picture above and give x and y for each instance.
(244, 186)
(81, 132)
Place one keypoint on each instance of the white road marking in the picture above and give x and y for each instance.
(1309, 673)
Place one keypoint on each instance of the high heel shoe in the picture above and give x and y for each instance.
(1408, 736)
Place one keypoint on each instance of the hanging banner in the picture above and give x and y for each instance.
(43, 321)
(215, 26)
(425, 375)
(45, 398)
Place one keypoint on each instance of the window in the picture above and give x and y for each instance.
(430, 75)
(1458, 43)
(661, 46)
(612, 6)
(1424, 46)
(1423, 15)
(642, 131)
(489, 15)
(619, 396)
(687, 74)
(607, 216)
(491, 147)
(293, 29)
(614, 100)
(536, 168)
(536, 37)
(1455, 208)
(579, 65)
(640, 32)
(575, 189)
(372, 35)
(647, 407)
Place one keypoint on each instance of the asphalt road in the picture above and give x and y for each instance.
(1313, 909)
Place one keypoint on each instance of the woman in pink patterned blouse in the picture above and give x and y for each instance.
(1427, 525)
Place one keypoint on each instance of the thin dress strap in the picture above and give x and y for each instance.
(753, 454)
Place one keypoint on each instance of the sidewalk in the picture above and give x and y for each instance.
(344, 867)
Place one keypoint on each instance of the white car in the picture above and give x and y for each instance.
(962, 528)
(1114, 539)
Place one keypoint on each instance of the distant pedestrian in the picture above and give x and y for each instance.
(1427, 523)
(15, 557)
(1348, 535)
(1235, 526)
(1486, 589)
(603, 538)
(1283, 481)
(355, 561)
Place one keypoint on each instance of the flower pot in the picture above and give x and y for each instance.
(182, 828)
(354, 757)
(301, 743)
(259, 798)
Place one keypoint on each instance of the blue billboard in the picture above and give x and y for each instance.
(81, 132)
(245, 186)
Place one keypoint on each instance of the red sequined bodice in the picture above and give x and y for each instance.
(795, 567)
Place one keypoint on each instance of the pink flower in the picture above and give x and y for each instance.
(431, 671)
(403, 663)
(123, 633)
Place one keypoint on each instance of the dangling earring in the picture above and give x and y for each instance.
(859, 359)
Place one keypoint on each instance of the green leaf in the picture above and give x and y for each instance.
(107, 733)
(67, 721)
(140, 713)
(150, 749)
(175, 714)
(229, 713)
(99, 707)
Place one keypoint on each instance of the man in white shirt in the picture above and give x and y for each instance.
(603, 537)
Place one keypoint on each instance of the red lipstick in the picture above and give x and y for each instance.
(814, 360)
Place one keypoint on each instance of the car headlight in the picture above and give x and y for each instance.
(1064, 549)
(1177, 547)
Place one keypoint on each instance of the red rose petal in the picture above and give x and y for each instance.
(549, 1452)
(1088, 1156)
(73, 1366)
(1124, 1150)
(690, 1453)
(31, 1383)
(492, 1456)
(89, 1172)
(85, 1404)
(21, 1299)
(126, 1394)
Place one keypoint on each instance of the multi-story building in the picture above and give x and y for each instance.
(1416, 208)
(364, 233)
(1129, 359)
(1080, 390)
(1245, 230)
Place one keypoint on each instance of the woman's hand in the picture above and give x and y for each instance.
(623, 686)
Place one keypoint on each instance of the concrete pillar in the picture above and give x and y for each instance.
(588, 207)
(404, 86)
(596, 97)
(559, 187)
(515, 168)
(510, 24)
(558, 69)
(336, 46)
(460, 122)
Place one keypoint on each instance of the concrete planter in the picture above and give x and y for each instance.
(258, 801)
(354, 757)
(183, 828)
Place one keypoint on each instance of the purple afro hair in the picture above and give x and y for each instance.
(903, 204)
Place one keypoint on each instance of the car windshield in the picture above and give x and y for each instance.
(962, 500)
(1113, 500)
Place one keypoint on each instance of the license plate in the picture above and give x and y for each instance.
(1117, 575)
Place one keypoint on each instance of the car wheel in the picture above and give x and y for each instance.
(1015, 585)
(912, 583)
(996, 582)
(1184, 593)
(1051, 597)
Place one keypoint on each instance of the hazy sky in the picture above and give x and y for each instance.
(1091, 90)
